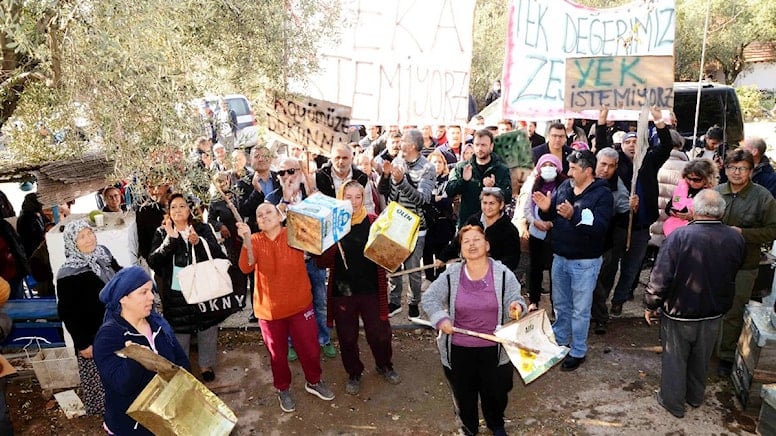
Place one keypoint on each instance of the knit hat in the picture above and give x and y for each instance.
(549, 158)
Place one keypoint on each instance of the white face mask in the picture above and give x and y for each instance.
(548, 173)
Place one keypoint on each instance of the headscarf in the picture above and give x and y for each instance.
(122, 284)
(76, 262)
(360, 214)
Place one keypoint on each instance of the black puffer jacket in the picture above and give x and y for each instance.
(183, 317)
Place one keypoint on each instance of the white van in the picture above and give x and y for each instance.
(239, 104)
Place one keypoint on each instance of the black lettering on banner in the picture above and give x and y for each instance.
(632, 97)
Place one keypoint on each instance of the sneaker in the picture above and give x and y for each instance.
(414, 312)
(599, 328)
(320, 390)
(616, 309)
(389, 375)
(353, 385)
(393, 309)
(329, 350)
(287, 403)
(292, 354)
(252, 319)
(571, 363)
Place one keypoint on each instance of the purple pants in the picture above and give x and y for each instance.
(378, 332)
(304, 332)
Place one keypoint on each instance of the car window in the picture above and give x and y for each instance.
(239, 106)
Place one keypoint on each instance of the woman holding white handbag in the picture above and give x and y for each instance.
(171, 250)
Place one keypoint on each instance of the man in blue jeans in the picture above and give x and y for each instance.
(580, 211)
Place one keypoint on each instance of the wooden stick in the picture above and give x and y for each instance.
(630, 230)
(495, 338)
(238, 218)
(420, 268)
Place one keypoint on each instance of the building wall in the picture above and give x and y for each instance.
(761, 75)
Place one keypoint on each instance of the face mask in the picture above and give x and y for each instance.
(548, 173)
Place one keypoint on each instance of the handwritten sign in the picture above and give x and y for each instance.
(399, 62)
(314, 124)
(543, 34)
(622, 82)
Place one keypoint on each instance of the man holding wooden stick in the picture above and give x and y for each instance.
(630, 247)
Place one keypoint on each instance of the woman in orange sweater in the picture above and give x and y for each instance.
(282, 301)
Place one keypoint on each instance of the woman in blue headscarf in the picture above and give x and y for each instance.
(87, 268)
(130, 317)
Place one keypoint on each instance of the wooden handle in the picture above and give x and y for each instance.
(420, 268)
(495, 338)
(237, 218)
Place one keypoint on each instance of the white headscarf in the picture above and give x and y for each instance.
(76, 262)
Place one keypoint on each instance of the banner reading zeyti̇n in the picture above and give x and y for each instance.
(544, 35)
(399, 62)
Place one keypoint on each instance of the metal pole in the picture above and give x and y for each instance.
(700, 73)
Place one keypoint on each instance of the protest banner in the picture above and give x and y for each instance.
(316, 125)
(621, 82)
(399, 62)
(543, 34)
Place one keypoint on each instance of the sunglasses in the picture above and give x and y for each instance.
(290, 171)
(694, 179)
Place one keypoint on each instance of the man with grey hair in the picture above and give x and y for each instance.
(763, 173)
(693, 285)
(409, 180)
(340, 169)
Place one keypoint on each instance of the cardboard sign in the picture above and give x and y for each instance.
(318, 222)
(316, 125)
(398, 62)
(392, 237)
(543, 34)
(621, 82)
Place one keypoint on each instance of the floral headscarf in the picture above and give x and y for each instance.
(76, 262)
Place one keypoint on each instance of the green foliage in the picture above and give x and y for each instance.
(489, 46)
(128, 70)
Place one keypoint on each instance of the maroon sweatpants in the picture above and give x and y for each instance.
(304, 333)
(378, 332)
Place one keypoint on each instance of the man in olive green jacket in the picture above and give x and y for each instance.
(750, 210)
(484, 169)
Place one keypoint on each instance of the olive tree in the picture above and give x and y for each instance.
(120, 75)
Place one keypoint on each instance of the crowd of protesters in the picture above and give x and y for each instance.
(591, 207)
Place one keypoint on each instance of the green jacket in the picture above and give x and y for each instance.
(753, 209)
(470, 190)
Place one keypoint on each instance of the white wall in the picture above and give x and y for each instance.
(761, 75)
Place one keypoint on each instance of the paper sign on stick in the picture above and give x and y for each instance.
(619, 82)
(314, 124)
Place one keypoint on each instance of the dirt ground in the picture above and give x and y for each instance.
(612, 393)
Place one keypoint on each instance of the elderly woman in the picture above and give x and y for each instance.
(477, 294)
(358, 288)
(283, 303)
(87, 268)
(171, 251)
(130, 317)
(698, 174)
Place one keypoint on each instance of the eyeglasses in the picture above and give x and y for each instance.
(290, 171)
(735, 169)
(694, 179)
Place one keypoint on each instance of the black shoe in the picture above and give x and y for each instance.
(616, 310)
(208, 375)
(571, 363)
(393, 309)
(599, 328)
(252, 319)
(414, 312)
(660, 401)
(499, 431)
(725, 368)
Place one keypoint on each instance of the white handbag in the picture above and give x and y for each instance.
(203, 281)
